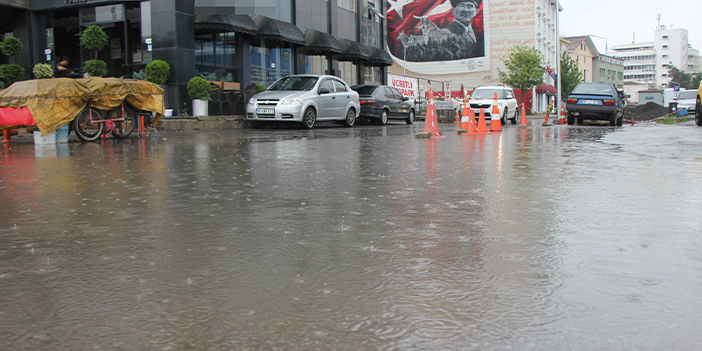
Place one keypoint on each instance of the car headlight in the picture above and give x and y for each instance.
(252, 100)
(292, 101)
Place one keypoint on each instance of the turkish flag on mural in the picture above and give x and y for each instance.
(404, 16)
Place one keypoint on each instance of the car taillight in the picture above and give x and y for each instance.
(572, 100)
(608, 102)
(367, 102)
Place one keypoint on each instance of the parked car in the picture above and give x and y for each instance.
(484, 96)
(381, 102)
(598, 101)
(698, 107)
(686, 100)
(304, 99)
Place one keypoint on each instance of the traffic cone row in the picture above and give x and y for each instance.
(495, 123)
(562, 119)
(431, 124)
(522, 118)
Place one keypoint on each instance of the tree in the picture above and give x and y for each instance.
(10, 73)
(525, 68)
(94, 38)
(570, 74)
(678, 77)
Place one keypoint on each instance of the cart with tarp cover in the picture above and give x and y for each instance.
(92, 106)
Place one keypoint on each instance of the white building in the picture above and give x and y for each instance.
(647, 63)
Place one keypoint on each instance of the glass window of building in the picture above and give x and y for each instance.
(269, 64)
(347, 4)
(372, 75)
(215, 54)
(370, 25)
(316, 65)
(348, 72)
(312, 14)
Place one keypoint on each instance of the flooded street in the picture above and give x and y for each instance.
(364, 238)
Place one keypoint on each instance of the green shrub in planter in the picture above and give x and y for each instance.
(93, 38)
(11, 46)
(43, 70)
(95, 68)
(199, 89)
(158, 72)
(11, 73)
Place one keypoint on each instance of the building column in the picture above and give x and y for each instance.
(173, 37)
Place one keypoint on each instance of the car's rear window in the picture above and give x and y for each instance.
(593, 89)
(487, 93)
(365, 89)
(294, 84)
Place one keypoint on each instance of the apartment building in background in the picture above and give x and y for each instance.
(646, 64)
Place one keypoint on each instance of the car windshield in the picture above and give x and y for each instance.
(687, 95)
(294, 83)
(593, 89)
(487, 93)
(365, 89)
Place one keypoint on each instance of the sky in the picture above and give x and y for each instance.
(621, 20)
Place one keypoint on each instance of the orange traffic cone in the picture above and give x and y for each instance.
(456, 118)
(431, 124)
(562, 119)
(495, 123)
(482, 127)
(522, 118)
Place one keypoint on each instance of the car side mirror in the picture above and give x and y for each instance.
(405, 98)
(323, 91)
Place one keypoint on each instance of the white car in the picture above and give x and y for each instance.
(686, 100)
(484, 96)
(304, 99)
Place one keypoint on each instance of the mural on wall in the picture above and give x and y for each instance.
(435, 36)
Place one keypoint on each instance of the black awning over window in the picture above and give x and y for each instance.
(320, 43)
(352, 51)
(224, 23)
(268, 28)
(378, 57)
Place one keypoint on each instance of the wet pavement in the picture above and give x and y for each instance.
(364, 238)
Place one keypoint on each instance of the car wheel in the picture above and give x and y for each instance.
(503, 120)
(613, 119)
(620, 121)
(698, 112)
(581, 121)
(309, 118)
(410, 117)
(350, 118)
(383, 118)
(570, 119)
(514, 119)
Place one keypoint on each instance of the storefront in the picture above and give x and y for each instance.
(246, 45)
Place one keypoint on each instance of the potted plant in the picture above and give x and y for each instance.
(94, 38)
(199, 91)
(158, 72)
(43, 70)
(12, 72)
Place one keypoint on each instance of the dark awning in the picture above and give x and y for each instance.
(317, 42)
(378, 57)
(224, 23)
(352, 51)
(268, 28)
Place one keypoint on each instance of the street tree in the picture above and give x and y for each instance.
(94, 38)
(525, 68)
(679, 77)
(570, 74)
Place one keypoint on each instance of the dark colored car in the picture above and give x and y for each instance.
(598, 101)
(381, 102)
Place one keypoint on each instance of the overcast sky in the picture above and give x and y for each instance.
(618, 20)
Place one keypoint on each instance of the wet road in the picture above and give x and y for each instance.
(582, 238)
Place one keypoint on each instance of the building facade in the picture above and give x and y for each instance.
(247, 41)
(461, 44)
(584, 52)
(608, 69)
(647, 63)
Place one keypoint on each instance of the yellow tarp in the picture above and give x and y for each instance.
(55, 102)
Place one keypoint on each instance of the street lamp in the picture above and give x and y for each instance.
(605, 39)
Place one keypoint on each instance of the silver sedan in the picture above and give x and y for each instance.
(304, 99)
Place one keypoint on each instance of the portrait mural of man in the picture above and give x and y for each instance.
(430, 30)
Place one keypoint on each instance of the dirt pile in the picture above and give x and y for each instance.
(650, 111)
